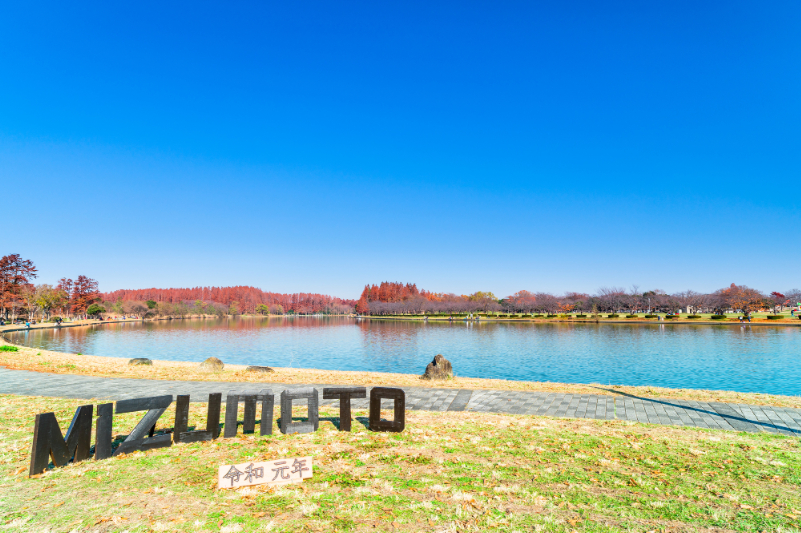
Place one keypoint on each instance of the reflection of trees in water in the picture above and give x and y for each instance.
(755, 358)
(392, 343)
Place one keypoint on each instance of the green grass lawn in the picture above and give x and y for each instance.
(447, 472)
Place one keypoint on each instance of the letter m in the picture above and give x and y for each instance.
(49, 443)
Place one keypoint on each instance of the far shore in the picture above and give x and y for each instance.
(733, 321)
(46, 361)
(791, 322)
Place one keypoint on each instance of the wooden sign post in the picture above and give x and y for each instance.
(277, 472)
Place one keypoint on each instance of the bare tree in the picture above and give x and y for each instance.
(611, 298)
(547, 302)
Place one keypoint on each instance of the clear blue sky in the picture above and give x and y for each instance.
(463, 146)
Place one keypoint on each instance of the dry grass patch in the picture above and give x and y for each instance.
(446, 472)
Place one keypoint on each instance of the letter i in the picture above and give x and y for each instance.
(105, 417)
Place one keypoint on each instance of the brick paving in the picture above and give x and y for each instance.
(712, 415)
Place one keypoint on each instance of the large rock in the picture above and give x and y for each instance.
(439, 368)
(261, 369)
(140, 361)
(212, 363)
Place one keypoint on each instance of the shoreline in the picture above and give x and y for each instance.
(79, 323)
(637, 321)
(46, 361)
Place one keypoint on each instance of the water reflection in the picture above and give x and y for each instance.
(749, 359)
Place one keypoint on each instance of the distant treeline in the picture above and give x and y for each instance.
(233, 300)
(81, 297)
(392, 298)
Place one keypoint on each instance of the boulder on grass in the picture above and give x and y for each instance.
(212, 363)
(140, 361)
(439, 368)
(262, 369)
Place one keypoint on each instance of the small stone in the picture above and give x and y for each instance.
(439, 368)
(212, 363)
(140, 361)
(263, 369)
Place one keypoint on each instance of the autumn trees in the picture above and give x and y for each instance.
(778, 300)
(522, 301)
(79, 294)
(390, 292)
(405, 298)
(363, 306)
(484, 301)
(399, 298)
(247, 299)
(47, 299)
(17, 291)
(16, 274)
(738, 297)
(68, 297)
(76, 297)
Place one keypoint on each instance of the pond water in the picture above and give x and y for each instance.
(747, 359)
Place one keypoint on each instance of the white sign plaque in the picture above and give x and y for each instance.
(276, 472)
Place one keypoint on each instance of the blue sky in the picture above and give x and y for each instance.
(463, 146)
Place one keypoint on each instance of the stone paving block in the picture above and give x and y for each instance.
(740, 417)
(795, 415)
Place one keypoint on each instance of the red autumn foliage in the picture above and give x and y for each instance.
(15, 274)
(246, 298)
(389, 292)
(79, 294)
(394, 297)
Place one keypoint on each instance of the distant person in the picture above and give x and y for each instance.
(27, 324)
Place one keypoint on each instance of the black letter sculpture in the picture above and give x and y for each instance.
(344, 394)
(48, 441)
(180, 433)
(249, 422)
(155, 407)
(399, 398)
(310, 426)
(105, 417)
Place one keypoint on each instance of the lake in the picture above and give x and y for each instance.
(746, 359)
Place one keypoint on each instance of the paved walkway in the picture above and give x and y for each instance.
(714, 415)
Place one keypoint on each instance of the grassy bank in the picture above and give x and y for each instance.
(447, 472)
(64, 363)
